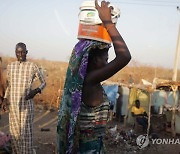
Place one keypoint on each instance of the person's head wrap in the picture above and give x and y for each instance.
(71, 99)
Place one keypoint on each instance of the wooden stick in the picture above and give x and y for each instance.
(127, 109)
(173, 131)
(149, 112)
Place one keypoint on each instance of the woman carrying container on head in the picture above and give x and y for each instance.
(84, 107)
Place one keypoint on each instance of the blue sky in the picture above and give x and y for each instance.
(49, 28)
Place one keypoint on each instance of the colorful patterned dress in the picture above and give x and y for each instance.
(70, 105)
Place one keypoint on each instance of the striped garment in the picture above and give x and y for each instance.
(92, 124)
(20, 77)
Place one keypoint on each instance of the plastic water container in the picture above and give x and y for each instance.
(94, 32)
(89, 15)
(90, 25)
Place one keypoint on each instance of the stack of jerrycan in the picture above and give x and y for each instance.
(90, 25)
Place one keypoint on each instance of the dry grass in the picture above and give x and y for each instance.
(55, 75)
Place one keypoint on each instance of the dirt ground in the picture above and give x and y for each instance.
(45, 136)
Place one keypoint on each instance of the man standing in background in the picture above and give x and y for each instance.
(19, 95)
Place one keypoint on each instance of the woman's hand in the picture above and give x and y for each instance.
(104, 12)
